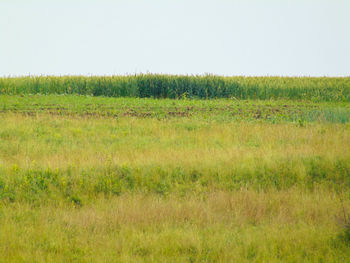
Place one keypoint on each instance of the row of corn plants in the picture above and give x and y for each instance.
(179, 86)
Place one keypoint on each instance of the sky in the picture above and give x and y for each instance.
(223, 37)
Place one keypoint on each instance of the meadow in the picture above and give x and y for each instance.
(260, 173)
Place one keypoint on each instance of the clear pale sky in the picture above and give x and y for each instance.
(225, 37)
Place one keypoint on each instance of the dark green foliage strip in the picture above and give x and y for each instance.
(176, 86)
(41, 185)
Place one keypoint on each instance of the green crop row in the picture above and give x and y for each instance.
(176, 86)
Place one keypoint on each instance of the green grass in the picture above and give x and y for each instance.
(98, 179)
(221, 227)
(221, 110)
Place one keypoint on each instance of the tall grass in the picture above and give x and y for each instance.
(243, 226)
(86, 188)
(177, 86)
(54, 157)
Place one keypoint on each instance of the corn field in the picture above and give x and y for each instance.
(177, 86)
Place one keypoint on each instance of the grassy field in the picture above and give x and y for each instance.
(101, 179)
